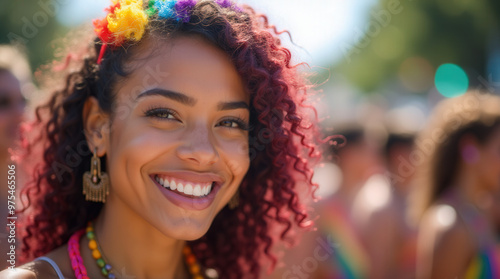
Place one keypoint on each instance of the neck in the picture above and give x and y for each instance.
(133, 247)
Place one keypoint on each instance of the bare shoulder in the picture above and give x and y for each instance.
(31, 270)
(443, 220)
(17, 273)
(41, 269)
(442, 226)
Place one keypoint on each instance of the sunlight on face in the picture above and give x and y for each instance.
(178, 145)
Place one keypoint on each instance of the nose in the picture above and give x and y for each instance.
(198, 147)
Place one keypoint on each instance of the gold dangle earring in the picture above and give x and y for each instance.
(95, 182)
(235, 200)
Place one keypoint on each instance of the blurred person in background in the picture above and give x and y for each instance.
(380, 210)
(14, 72)
(358, 160)
(458, 178)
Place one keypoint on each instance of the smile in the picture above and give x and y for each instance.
(188, 188)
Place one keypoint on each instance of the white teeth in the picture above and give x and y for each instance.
(197, 190)
(188, 190)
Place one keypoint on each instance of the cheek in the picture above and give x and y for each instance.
(237, 158)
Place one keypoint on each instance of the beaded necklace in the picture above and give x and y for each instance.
(106, 269)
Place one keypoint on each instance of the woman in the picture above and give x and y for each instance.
(174, 150)
(460, 176)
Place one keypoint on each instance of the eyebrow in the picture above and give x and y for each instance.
(232, 105)
(175, 96)
(189, 101)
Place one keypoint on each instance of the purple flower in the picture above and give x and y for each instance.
(224, 3)
(184, 8)
(228, 4)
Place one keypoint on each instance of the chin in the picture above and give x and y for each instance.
(190, 230)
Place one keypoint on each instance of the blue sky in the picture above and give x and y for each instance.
(319, 28)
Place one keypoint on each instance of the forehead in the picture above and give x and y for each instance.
(188, 64)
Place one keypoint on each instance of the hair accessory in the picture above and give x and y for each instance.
(166, 9)
(125, 20)
(224, 3)
(228, 4)
(95, 182)
(183, 9)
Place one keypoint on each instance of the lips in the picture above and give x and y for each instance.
(188, 190)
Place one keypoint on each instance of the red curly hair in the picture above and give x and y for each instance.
(282, 143)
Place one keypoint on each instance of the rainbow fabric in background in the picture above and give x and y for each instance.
(349, 259)
(486, 265)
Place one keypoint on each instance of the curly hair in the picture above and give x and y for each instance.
(474, 113)
(282, 143)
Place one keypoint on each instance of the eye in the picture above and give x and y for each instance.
(161, 113)
(235, 123)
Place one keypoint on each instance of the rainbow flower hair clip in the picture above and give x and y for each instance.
(126, 20)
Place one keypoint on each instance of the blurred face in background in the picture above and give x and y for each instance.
(397, 158)
(12, 105)
(488, 165)
(360, 159)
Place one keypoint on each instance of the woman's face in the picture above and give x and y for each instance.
(488, 167)
(178, 143)
(12, 105)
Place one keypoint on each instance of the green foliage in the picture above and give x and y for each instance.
(33, 24)
(435, 31)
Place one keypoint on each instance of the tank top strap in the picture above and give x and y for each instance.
(53, 264)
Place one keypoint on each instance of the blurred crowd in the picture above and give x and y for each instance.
(419, 204)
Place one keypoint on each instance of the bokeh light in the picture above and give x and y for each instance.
(416, 74)
(451, 80)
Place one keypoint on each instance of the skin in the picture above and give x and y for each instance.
(357, 163)
(439, 256)
(140, 231)
(380, 209)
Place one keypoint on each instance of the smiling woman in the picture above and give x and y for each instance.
(192, 136)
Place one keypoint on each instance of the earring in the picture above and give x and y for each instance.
(95, 182)
(235, 200)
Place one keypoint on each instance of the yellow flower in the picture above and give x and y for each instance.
(128, 22)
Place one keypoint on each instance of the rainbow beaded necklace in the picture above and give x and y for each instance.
(106, 269)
